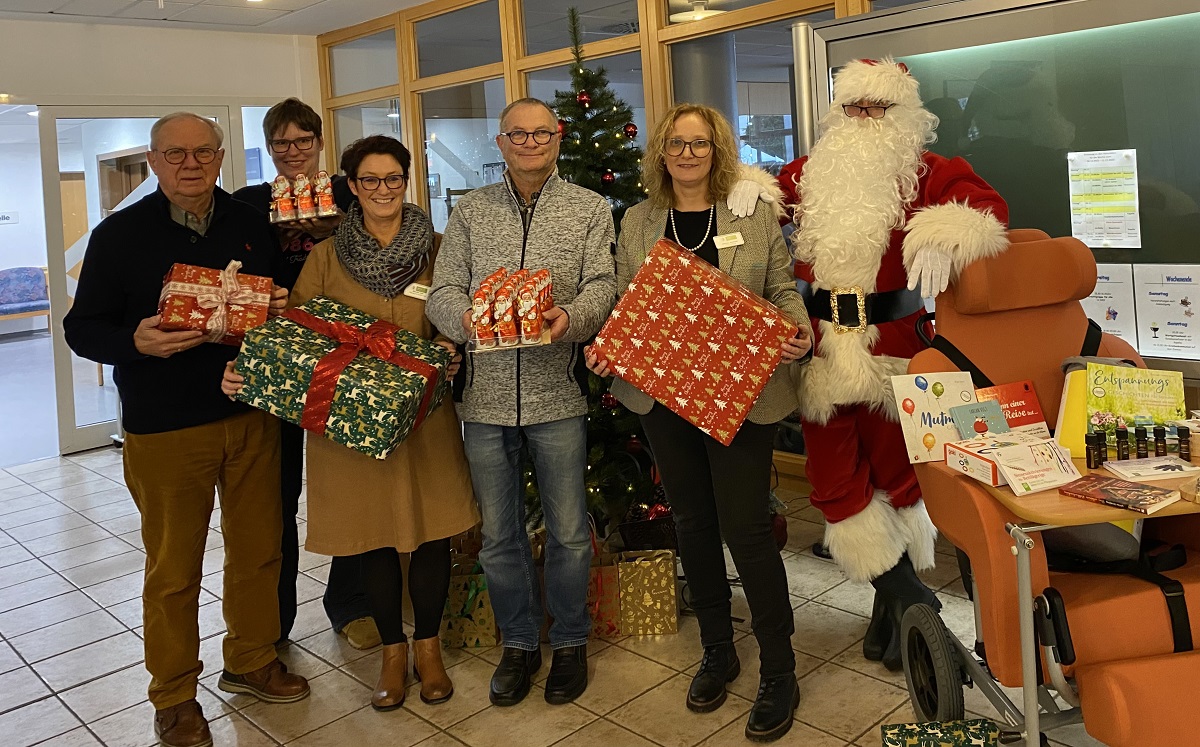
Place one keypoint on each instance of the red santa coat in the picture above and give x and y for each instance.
(857, 461)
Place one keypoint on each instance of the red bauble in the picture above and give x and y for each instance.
(584, 98)
(607, 178)
(631, 130)
(658, 511)
(562, 127)
(607, 400)
(634, 445)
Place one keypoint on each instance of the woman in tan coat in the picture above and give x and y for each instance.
(380, 261)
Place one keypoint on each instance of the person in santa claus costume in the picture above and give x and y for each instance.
(876, 215)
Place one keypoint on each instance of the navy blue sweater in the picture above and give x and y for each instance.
(128, 256)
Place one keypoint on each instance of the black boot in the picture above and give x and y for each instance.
(568, 675)
(771, 714)
(719, 667)
(901, 588)
(514, 675)
(879, 631)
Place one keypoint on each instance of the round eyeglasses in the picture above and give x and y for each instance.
(176, 156)
(519, 137)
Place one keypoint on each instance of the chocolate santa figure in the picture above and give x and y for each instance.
(323, 190)
(481, 320)
(877, 215)
(531, 314)
(506, 325)
(283, 204)
(306, 207)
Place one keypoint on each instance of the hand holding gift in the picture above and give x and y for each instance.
(796, 348)
(150, 340)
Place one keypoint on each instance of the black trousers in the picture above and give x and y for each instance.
(722, 492)
(428, 587)
(344, 598)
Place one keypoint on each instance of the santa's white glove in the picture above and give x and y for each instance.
(745, 196)
(931, 268)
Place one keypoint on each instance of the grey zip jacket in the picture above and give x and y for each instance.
(569, 231)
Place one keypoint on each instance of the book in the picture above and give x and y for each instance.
(924, 402)
(1152, 468)
(979, 419)
(976, 457)
(1031, 468)
(1071, 425)
(1019, 402)
(1120, 395)
(1113, 491)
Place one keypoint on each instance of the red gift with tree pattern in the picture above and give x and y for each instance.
(223, 304)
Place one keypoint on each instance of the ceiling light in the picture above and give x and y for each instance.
(698, 12)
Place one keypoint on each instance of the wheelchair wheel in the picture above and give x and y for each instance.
(931, 668)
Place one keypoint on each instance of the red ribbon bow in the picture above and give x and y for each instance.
(379, 339)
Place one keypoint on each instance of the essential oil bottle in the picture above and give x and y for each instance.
(1160, 441)
(1185, 442)
(1122, 443)
(1092, 450)
(1140, 443)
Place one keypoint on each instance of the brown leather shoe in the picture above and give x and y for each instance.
(389, 692)
(436, 686)
(272, 683)
(182, 725)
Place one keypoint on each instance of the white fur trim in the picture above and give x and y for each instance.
(878, 80)
(968, 234)
(844, 372)
(768, 184)
(869, 542)
(921, 535)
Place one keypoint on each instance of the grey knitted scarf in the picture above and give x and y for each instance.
(385, 270)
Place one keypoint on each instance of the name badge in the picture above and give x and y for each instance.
(724, 241)
(417, 291)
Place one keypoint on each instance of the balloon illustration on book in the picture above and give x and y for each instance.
(928, 441)
(909, 407)
(938, 391)
(923, 384)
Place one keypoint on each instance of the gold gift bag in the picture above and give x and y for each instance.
(468, 620)
(604, 597)
(647, 587)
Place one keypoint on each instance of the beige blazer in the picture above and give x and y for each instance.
(761, 262)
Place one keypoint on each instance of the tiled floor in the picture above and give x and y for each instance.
(71, 660)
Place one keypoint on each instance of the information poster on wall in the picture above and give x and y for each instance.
(1164, 300)
(1111, 304)
(1104, 198)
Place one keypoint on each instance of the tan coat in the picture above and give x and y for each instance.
(761, 262)
(422, 490)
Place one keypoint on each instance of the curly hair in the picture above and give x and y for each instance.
(722, 177)
(383, 145)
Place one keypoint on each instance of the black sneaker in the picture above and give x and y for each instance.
(514, 676)
(568, 675)
(771, 714)
(719, 667)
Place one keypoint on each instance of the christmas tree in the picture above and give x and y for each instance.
(598, 150)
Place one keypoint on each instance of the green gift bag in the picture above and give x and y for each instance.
(468, 620)
(974, 733)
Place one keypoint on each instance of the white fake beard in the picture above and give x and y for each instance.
(861, 175)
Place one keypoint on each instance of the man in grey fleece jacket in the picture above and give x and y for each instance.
(533, 219)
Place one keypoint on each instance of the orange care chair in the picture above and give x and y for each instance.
(1017, 316)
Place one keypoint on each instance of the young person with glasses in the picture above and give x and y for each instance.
(380, 261)
(293, 132)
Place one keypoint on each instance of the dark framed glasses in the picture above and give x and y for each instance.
(301, 143)
(519, 137)
(393, 181)
(176, 156)
(699, 148)
(874, 112)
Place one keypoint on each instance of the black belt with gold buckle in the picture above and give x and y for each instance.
(851, 310)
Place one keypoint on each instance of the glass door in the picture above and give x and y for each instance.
(93, 164)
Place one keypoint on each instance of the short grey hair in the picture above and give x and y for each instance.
(527, 101)
(217, 132)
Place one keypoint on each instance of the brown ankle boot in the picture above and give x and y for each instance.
(182, 725)
(389, 692)
(436, 686)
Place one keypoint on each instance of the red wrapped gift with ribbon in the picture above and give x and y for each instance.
(221, 303)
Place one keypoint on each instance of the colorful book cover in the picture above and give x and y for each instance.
(979, 419)
(924, 402)
(1030, 468)
(1113, 491)
(976, 457)
(1152, 468)
(1019, 402)
(1120, 395)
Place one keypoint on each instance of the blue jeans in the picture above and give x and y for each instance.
(559, 451)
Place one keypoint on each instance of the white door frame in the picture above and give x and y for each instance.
(72, 438)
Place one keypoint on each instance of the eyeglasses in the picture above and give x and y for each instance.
(301, 143)
(176, 156)
(874, 112)
(519, 137)
(699, 148)
(393, 181)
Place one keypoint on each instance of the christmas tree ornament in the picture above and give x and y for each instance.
(562, 127)
(584, 98)
(607, 178)
(608, 400)
(634, 445)
(631, 130)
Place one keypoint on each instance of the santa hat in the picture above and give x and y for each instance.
(882, 80)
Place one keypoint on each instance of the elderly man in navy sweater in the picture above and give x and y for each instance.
(185, 440)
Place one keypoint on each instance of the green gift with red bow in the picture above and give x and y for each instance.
(343, 374)
(972, 733)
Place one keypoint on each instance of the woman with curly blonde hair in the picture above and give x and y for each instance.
(690, 168)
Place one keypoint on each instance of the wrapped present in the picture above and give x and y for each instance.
(604, 596)
(337, 372)
(694, 339)
(646, 581)
(221, 303)
(468, 620)
(974, 733)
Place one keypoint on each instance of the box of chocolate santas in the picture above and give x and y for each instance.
(694, 339)
(507, 311)
(224, 304)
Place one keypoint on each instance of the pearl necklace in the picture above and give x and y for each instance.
(712, 212)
